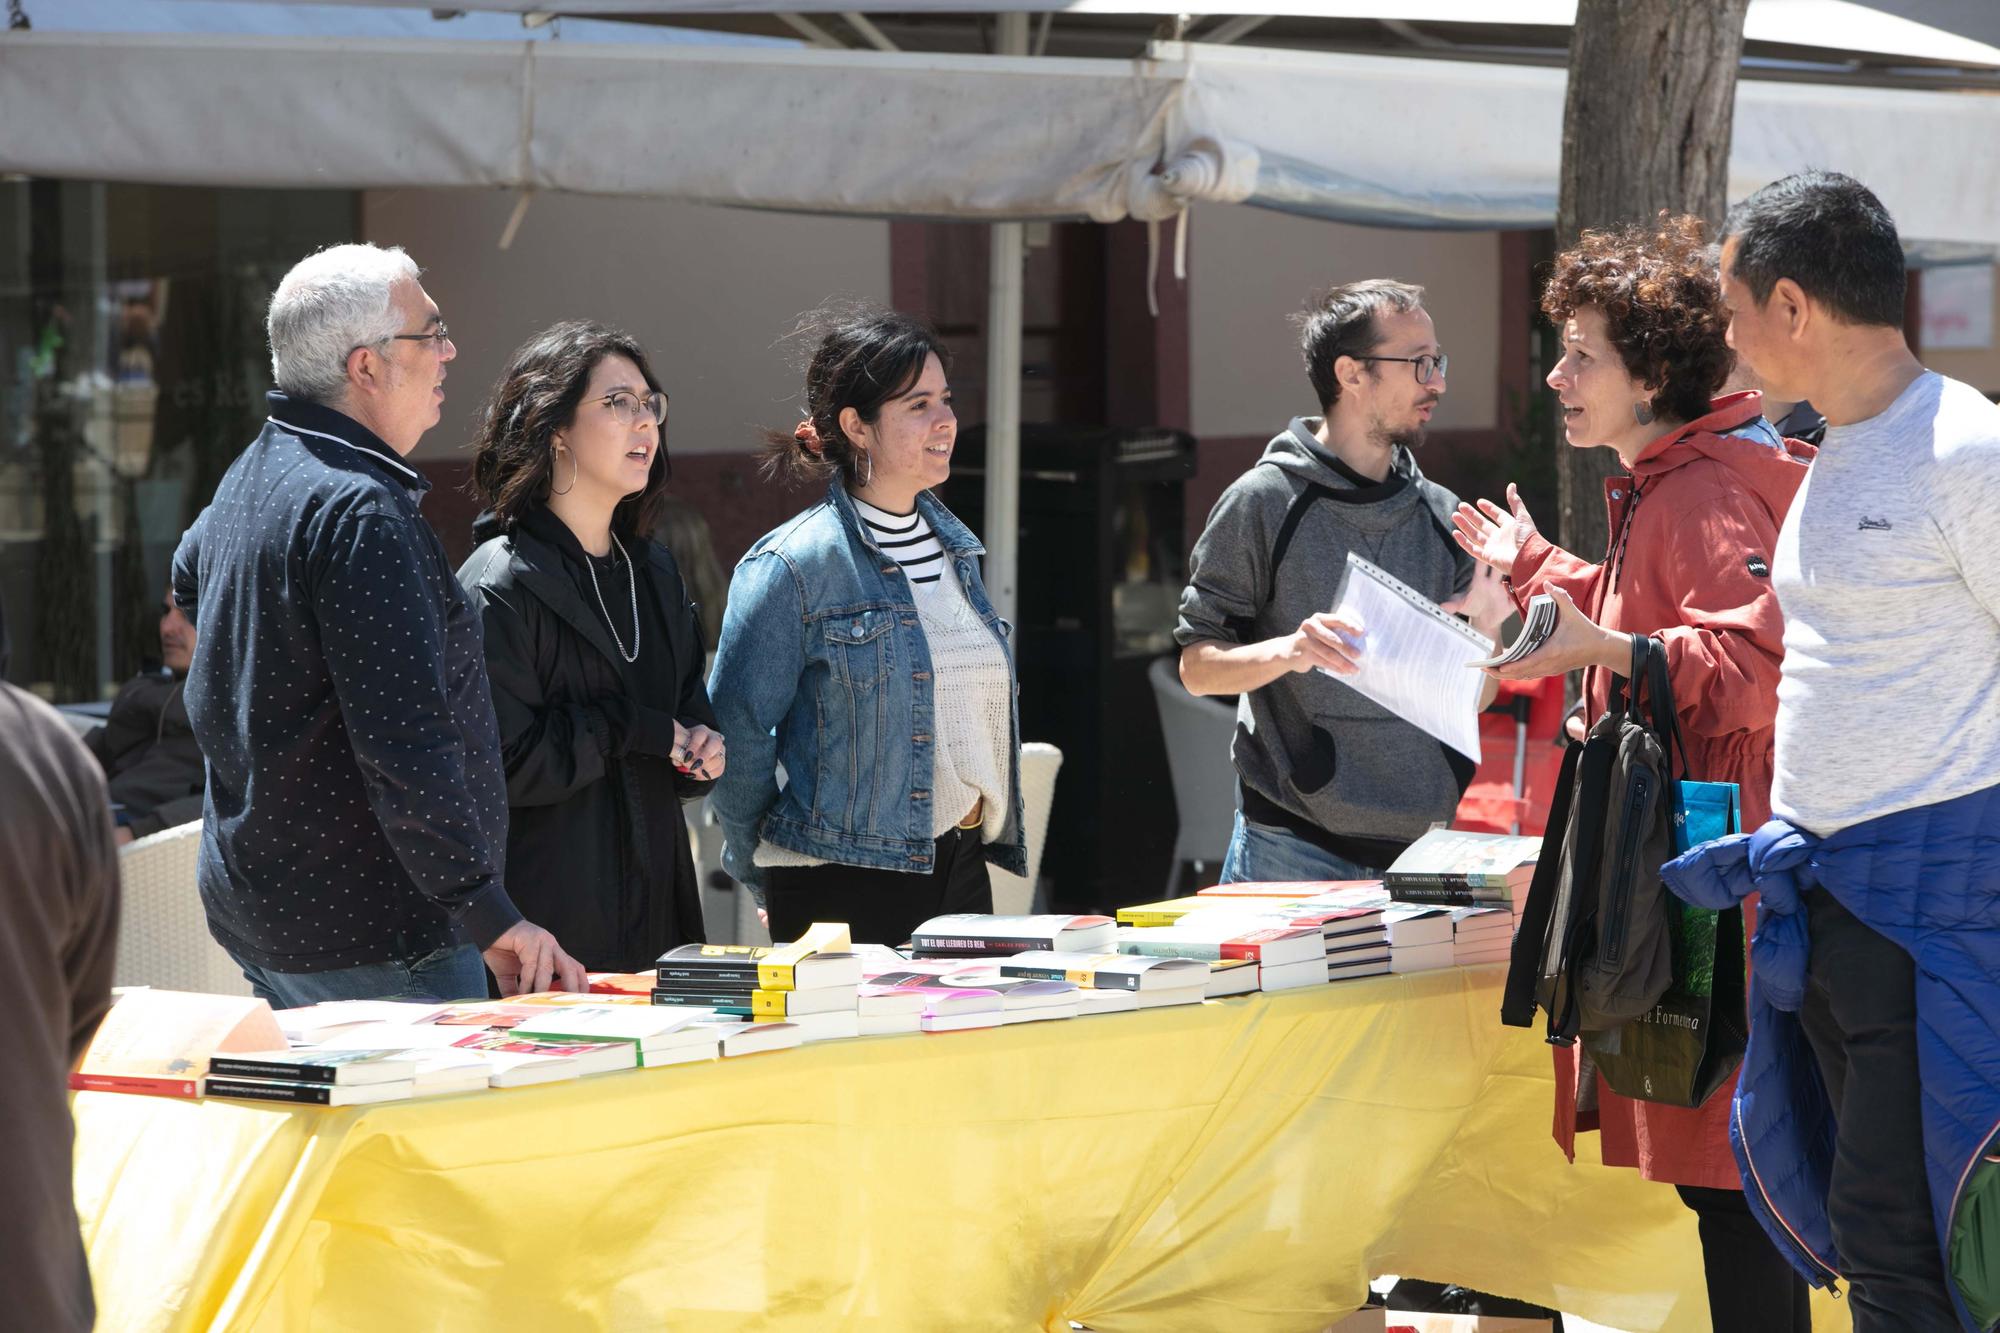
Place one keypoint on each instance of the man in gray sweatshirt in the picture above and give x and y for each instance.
(1330, 784)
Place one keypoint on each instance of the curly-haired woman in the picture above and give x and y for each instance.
(1694, 515)
(592, 649)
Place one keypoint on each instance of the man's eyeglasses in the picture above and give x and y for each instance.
(1428, 367)
(437, 335)
(626, 406)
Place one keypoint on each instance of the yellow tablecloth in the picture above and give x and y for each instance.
(1245, 1164)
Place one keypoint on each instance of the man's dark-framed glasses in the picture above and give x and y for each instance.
(437, 336)
(1428, 367)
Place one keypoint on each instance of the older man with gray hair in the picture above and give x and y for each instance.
(355, 825)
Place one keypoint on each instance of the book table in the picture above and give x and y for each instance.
(1243, 1164)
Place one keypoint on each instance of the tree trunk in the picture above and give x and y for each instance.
(1646, 125)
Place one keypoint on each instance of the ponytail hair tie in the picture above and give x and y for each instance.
(807, 434)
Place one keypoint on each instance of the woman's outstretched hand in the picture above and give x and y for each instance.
(1578, 642)
(1492, 535)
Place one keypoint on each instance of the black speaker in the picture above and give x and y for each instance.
(1102, 561)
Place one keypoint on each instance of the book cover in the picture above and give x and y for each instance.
(979, 933)
(308, 1094)
(348, 1068)
(1457, 858)
(160, 1042)
(1163, 913)
(1288, 889)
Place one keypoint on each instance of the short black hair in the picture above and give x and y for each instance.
(1343, 323)
(1829, 234)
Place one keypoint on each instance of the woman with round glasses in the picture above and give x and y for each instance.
(592, 648)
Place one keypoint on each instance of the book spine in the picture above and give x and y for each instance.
(1029, 973)
(1150, 920)
(231, 1067)
(1202, 949)
(318, 1094)
(710, 1000)
(959, 946)
(1419, 879)
(152, 1087)
(734, 975)
(703, 986)
(1433, 895)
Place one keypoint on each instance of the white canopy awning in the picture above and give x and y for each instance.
(1370, 139)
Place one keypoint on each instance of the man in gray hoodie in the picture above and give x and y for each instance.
(1330, 784)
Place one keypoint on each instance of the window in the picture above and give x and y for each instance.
(133, 368)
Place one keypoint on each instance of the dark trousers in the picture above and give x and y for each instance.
(879, 906)
(1860, 1014)
(1751, 1289)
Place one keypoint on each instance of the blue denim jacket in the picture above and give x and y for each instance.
(823, 667)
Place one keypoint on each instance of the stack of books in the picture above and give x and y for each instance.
(1348, 914)
(1153, 981)
(1452, 868)
(943, 1006)
(812, 983)
(1022, 999)
(1286, 956)
(1481, 935)
(314, 1078)
(1406, 937)
(658, 1036)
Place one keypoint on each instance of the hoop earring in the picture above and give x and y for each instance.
(869, 459)
(553, 490)
(1641, 413)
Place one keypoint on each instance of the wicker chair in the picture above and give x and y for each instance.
(1014, 895)
(163, 937)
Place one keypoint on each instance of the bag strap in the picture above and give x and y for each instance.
(1524, 959)
(1649, 659)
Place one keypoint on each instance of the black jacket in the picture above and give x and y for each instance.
(597, 849)
(149, 755)
(356, 808)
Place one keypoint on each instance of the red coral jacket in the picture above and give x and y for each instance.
(1700, 513)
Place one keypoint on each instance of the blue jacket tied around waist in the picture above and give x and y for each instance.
(1927, 879)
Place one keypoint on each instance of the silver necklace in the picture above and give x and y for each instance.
(632, 583)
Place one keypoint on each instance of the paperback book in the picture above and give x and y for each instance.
(971, 934)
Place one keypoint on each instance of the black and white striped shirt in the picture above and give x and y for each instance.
(907, 539)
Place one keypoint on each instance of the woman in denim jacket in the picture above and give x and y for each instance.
(860, 654)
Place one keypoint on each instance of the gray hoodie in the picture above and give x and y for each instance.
(1306, 744)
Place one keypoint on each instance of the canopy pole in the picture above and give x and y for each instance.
(1003, 381)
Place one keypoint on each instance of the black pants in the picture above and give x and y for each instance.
(1751, 1289)
(879, 906)
(1860, 1014)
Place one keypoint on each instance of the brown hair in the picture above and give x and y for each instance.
(1662, 302)
(538, 394)
(863, 356)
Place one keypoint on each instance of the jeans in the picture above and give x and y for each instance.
(1260, 854)
(1860, 1015)
(455, 972)
(880, 906)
